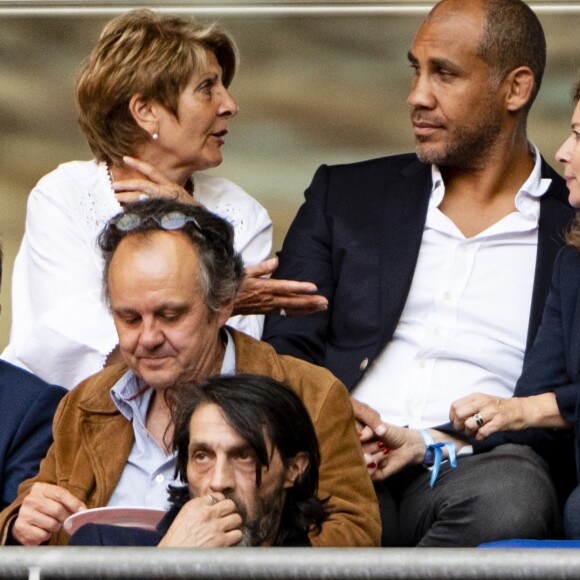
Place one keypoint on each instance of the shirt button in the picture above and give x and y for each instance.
(422, 364)
(160, 478)
(447, 295)
(364, 364)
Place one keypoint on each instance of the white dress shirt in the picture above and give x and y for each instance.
(61, 329)
(464, 326)
(149, 470)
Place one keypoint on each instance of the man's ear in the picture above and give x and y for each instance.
(225, 312)
(145, 113)
(296, 467)
(520, 85)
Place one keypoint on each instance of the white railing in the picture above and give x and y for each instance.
(288, 563)
(251, 8)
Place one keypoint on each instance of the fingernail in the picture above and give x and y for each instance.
(386, 451)
(381, 430)
(380, 445)
(372, 465)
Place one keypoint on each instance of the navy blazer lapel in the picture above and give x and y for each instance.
(554, 211)
(569, 278)
(404, 211)
(574, 346)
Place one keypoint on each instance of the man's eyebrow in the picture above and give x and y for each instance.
(198, 445)
(125, 310)
(240, 448)
(443, 63)
(203, 446)
(435, 62)
(178, 306)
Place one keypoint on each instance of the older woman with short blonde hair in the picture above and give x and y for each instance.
(154, 105)
(141, 53)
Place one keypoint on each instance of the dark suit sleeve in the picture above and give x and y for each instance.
(306, 256)
(550, 364)
(30, 442)
(105, 535)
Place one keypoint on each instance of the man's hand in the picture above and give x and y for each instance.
(203, 523)
(260, 294)
(43, 512)
(387, 448)
(154, 183)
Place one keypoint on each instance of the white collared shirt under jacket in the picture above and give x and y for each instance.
(464, 326)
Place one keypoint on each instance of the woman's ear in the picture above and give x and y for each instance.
(145, 113)
(296, 467)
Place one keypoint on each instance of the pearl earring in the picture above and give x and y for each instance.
(155, 136)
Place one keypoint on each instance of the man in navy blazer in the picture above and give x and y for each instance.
(373, 236)
(27, 406)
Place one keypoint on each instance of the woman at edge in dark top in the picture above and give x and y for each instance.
(548, 390)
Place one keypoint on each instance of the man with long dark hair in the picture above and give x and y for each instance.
(247, 450)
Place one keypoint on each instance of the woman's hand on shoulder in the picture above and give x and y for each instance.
(153, 184)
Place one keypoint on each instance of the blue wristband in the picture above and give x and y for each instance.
(434, 454)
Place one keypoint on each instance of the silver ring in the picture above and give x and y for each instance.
(478, 419)
(213, 498)
(283, 313)
(143, 196)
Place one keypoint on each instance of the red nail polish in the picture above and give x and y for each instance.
(372, 465)
(386, 450)
(380, 445)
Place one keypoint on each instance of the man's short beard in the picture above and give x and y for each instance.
(467, 149)
(263, 527)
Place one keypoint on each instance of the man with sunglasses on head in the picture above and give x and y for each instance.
(170, 277)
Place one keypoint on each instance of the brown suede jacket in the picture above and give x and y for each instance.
(92, 442)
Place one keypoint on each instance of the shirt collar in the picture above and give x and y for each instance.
(229, 362)
(130, 390)
(526, 200)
